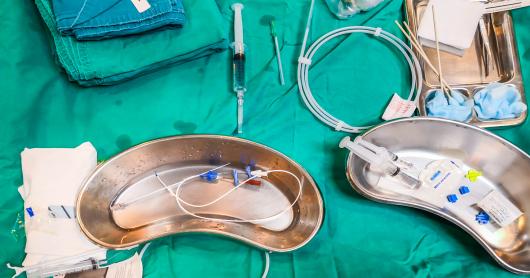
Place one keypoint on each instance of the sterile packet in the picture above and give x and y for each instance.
(344, 9)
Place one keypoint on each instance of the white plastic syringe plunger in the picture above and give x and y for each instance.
(381, 151)
(345, 142)
(238, 28)
(378, 160)
(237, 6)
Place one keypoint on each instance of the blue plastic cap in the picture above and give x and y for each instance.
(463, 189)
(209, 176)
(236, 178)
(30, 212)
(247, 170)
(452, 198)
(482, 218)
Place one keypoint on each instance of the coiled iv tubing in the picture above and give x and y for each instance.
(304, 61)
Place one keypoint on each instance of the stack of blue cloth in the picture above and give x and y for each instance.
(97, 41)
(100, 19)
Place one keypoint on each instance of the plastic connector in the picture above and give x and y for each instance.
(248, 170)
(254, 182)
(463, 189)
(482, 218)
(210, 176)
(472, 175)
(258, 173)
(30, 212)
(235, 177)
(452, 198)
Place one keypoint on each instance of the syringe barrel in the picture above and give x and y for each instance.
(49, 271)
(239, 72)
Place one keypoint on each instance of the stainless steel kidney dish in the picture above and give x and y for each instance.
(132, 173)
(506, 169)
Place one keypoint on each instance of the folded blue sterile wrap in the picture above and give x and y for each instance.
(455, 107)
(498, 101)
(112, 61)
(100, 19)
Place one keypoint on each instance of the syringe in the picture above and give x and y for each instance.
(239, 64)
(69, 264)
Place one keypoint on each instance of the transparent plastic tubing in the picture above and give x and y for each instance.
(304, 62)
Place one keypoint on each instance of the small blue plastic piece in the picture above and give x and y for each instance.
(436, 174)
(482, 218)
(247, 170)
(210, 176)
(30, 212)
(463, 189)
(236, 178)
(452, 198)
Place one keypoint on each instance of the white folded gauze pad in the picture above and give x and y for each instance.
(53, 176)
(456, 24)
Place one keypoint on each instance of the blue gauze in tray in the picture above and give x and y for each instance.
(498, 101)
(455, 107)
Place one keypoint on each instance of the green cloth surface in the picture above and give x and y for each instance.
(358, 238)
(112, 61)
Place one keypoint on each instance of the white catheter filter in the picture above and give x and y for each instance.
(304, 61)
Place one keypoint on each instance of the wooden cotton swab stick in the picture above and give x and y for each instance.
(415, 44)
(448, 93)
(420, 50)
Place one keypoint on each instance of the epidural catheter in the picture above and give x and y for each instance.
(209, 176)
(255, 174)
(305, 59)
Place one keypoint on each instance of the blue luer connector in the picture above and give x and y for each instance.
(30, 212)
(209, 176)
(482, 218)
(452, 198)
(463, 189)
(247, 170)
(236, 178)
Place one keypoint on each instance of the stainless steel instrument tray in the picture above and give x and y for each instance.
(468, 72)
(506, 168)
(132, 173)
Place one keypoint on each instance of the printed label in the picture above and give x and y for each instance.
(61, 212)
(398, 108)
(499, 208)
(130, 268)
(141, 5)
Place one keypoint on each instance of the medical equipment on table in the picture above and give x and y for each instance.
(177, 158)
(277, 51)
(304, 61)
(456, 107)
(382, 159)
(238, 61)
(487, 52)
(344, 9)
(467, 73)
(210, 176)
(498, 101)
(499, 188)
(255, 174)
(153, 193)
(416, 45)
(460, 20)
(51, 180)
(69, 264)
(446, 91)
